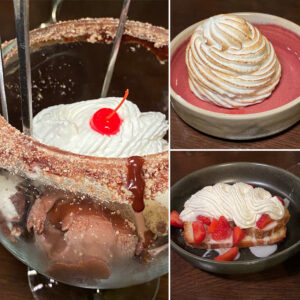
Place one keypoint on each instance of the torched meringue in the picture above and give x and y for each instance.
(239, 202)
(230, 63)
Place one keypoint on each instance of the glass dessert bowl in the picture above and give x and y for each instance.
(276, 113)
(95, 222)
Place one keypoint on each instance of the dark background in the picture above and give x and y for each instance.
(13, 279)
(152, 11)
(188, 12)
(187, 282)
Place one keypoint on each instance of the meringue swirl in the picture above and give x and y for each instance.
(230, 63)
(67, 127)
(239, 202)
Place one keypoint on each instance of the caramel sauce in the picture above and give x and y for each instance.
(135, 182)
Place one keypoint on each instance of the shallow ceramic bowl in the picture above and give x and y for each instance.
(245, 126)
(277, 181)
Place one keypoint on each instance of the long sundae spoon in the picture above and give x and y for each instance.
(56, 4)
(55, 8)
(2, 87)
(21, 8)
(115, 48)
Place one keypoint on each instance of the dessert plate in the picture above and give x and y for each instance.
(277, 181)
(278, 112)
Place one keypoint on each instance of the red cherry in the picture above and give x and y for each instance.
(106, 120)
(104, 125)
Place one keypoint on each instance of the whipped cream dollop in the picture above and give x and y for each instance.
(230, 63)
(68, 127)
(239, 202)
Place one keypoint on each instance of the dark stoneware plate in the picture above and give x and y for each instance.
(277, 181)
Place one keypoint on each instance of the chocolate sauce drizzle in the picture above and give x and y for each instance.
(136, 182)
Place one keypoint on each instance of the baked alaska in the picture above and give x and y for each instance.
(230, 63)
(231, 217)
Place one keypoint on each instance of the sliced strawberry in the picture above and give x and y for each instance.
(222, 230)
(212, 226)
(238, 235)
(229, 255)
(281, 200)
(199, 232)
(175, 219)
(263, 221)
(251, 185)
(205, 220)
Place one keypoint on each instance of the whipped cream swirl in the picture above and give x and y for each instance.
(230, 63)
(67, 127)
(239, 202)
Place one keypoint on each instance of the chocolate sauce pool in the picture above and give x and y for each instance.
(63, 209)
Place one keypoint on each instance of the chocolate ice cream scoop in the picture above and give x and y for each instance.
(81, 237)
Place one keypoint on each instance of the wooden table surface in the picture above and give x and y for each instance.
(188, 282)
(13, 279)
(182, 16)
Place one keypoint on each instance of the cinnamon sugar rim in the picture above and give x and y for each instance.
(251, 116)
(103, 178)
(93, 30)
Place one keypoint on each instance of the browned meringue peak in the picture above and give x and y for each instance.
(230, 62)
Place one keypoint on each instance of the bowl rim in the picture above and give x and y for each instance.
(292, 249)
(68, 31)
(271, 19)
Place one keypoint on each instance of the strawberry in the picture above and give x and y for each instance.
(199, 231)
(238, 234)
(222, 230)
(251, 185)
(212, 226)
(175, 219)
(229, 255)
(281, 200)
(205, 220)
(263, 221)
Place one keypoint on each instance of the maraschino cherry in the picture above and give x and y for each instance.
(106, 120)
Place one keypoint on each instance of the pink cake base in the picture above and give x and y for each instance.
(287, 47)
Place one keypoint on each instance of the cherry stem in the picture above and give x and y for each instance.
(115, 110)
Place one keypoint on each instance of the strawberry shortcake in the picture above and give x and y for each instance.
(232, 216)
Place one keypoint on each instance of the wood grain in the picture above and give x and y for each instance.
(185, 137)
(188, 282)
(277, 283)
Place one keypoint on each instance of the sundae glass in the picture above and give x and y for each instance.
(86, 221)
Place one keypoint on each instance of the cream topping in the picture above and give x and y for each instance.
(8, 188)
(239, 202)
(230, 63)
(67, 127)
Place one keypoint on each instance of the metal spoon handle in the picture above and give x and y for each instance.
(115, 49)
(21, 8)
(2, 86)
(55, 7)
